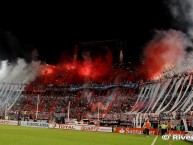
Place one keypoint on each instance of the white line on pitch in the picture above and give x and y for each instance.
(154, 140)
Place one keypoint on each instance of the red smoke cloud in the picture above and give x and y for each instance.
(167, 48)
(97, 70)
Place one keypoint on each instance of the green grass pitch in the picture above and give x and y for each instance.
(17, 135)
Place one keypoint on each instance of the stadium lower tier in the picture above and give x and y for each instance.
(173, 95)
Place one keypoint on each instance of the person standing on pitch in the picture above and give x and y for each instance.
(147, 126)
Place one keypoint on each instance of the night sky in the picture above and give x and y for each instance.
(53, 31)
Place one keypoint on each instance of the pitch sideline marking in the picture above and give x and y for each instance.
(154, 140)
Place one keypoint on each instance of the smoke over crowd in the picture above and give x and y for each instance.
(165, 55)
(182, 12)
(19, 72)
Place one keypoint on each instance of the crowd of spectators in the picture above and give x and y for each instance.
(116, 99)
